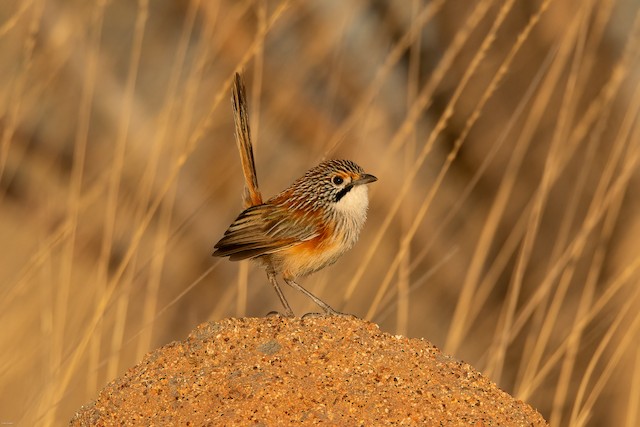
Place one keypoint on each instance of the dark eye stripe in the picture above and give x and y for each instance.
(340, 194)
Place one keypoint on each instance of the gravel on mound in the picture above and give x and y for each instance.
(274, 371)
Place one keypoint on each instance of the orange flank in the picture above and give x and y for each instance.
(309, 256)
(304, 228)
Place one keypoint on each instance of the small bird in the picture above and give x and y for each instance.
(304, 228)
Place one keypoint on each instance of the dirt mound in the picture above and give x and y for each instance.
(268, 371)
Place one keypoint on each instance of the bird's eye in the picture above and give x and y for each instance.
(337, 180)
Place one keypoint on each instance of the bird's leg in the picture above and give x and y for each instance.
(287, 309)
(327, 309)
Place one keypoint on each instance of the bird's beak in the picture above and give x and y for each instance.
(365, 178)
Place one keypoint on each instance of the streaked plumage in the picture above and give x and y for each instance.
(305, 227)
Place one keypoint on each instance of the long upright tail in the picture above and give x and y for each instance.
(252, 194)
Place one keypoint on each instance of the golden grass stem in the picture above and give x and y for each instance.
(461, 36)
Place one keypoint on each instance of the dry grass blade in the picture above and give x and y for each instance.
(633, 416)
(582, 412)
(461, 37)
(503, 227)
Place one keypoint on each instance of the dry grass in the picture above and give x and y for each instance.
(504, 227)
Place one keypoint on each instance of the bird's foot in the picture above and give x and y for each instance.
(278, 314)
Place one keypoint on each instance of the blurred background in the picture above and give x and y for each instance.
(504, 227)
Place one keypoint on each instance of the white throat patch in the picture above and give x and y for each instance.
(355, 203)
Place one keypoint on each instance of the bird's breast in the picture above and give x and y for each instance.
(314, 254)
(337, 228)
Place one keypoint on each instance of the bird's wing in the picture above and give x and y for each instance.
(263, 229)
